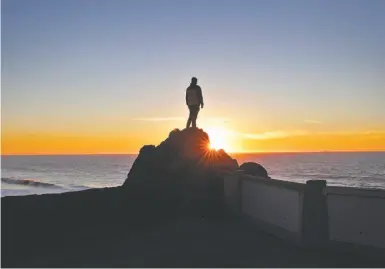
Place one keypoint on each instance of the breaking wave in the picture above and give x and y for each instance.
(29, 182)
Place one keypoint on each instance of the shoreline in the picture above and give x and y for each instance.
(58, 190)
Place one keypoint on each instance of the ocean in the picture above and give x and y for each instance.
(23, 175)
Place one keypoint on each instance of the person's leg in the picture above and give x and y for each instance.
(189, 118)
(194, 122)
(195, 116)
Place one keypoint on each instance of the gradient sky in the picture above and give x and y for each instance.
(82, 76)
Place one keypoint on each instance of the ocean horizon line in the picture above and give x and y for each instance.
(232, 153)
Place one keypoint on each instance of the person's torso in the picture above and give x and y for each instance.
(192, 95)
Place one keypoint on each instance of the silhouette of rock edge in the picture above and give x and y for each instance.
(180, 175)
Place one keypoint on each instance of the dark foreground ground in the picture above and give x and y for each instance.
(187, 242)
(202, 243)
(90, 229)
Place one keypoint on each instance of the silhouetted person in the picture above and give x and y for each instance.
(194, 100)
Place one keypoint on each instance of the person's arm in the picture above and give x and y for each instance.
(200, 96)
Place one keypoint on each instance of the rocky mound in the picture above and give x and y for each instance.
(186, 149)
(179, 175)
(254, 169)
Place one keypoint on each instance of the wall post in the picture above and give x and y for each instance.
(315, 231)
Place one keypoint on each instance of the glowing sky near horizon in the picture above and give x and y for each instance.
(92, 76)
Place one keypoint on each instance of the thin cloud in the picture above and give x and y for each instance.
(214, 119)
(274, 134)
(284, 134)
(342, 133)
(160, 119)
(218, 119)
(369, 134)
(374, 132)
(312, 121)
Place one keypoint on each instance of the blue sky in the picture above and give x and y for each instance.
(267, 65)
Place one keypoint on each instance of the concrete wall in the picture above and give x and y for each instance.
(273, 204)
(310, 214)
(356, 216)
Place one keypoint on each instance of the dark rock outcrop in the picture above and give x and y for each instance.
(188, 148)
(254, 169)
(178, 176)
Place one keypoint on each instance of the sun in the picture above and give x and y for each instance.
(218, 138)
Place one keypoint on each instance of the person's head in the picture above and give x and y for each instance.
(194, 81)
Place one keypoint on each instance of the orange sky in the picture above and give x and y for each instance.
(230, 140)
(104, 134)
